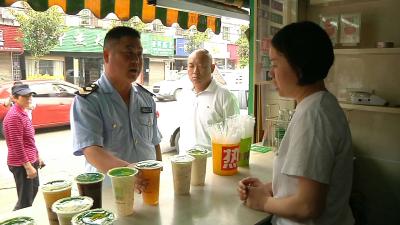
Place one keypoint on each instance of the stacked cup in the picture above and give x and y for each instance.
(53, 191)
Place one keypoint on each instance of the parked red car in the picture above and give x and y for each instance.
(53, 101)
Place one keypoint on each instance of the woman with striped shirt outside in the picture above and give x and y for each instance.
(23, 157)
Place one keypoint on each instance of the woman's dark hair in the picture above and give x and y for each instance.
(307, 48)
(117, 33)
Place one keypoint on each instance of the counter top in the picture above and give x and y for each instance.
(215, 203)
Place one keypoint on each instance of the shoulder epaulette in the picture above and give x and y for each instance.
(144, 89)
(85, 91)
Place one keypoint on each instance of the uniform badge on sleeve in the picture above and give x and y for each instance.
(85, 91)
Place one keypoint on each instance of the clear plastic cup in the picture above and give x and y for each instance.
(199, 165)
(20, 220)
(66, 208)
(150, 170)
(181, 172)
(123, 180)
(90, 184)
(94, 216)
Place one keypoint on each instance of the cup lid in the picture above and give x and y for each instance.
(182, 158)
(122, 172)
(94, 217)
(89, 177)
(149, 164)
(74, 204)
(198, 152)
(21, 220)
(56, 185)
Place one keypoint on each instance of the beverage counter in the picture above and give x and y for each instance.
(215, 203)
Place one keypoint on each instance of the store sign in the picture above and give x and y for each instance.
(180, 47)
(157, 45)
(81, 39)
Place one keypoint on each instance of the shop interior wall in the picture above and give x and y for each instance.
(375, 135)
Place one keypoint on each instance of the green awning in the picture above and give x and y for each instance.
(126, 9)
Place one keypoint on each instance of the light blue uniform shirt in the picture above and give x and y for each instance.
(102, 118)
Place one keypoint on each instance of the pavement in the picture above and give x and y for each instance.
(55, 148)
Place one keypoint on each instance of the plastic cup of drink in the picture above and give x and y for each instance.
(53, 191)
(89, 184)
(150, 170)
(122, 181)
(94, 216)
(181, 172)
(225, 158)
(199, 166)
(66, 208)
(244, 151)
(20, 220)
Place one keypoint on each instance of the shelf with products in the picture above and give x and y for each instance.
(370, 108)
(352, 51)
(263, 82)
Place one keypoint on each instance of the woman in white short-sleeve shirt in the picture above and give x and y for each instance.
(313, 168)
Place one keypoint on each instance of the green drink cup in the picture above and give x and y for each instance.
(21, 220)
(94, 217)
(123, 181)
(244, 151)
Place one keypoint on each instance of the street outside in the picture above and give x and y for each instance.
(55, 147)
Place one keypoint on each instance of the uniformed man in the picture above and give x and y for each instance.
(113, 122)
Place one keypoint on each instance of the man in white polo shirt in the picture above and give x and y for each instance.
(204, 104)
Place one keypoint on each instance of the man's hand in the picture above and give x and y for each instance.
(140, 183)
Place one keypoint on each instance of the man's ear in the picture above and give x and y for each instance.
(106, 54)
(212, 68)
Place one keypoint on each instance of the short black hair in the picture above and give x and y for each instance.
(119, 32)
(307, 48)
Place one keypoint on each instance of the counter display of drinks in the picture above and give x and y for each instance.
(215, 203)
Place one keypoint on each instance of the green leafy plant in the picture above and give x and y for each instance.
(243, 47)
(41, 30)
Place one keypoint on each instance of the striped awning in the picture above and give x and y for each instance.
(126, 9)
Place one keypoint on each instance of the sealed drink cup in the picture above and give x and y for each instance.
(181, 172)
(225, 158)
(53, 191)
(199, 166)
(123, 180)
(21, 220)
(89, 184)
(66, 208)
(244, 151)
(150, 170)
(94, 217)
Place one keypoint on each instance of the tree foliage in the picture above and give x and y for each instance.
(195, 39)
(243, 47)
(41, 30)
